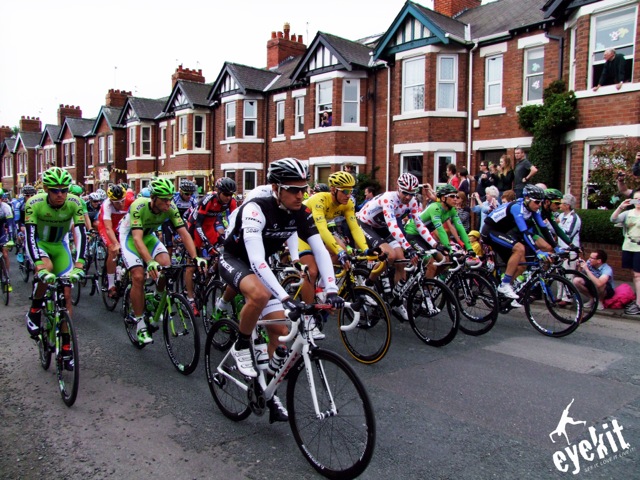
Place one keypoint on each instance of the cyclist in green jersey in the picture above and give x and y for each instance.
(141, 247)
(48, 217)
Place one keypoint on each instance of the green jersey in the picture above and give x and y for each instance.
(434, 217)
(140, 217)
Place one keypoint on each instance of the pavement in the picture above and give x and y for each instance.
(615, 312)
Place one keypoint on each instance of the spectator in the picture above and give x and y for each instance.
(350, 168)
(486, 207)
(613, 71)
(326, 120)
(369, 193)
(464, 185)
(484, 179)
(474, 239)
(452, 175)
(508, 196)
(463, 211)
(630, 221)
(601, 274)
(505, 174)
(622, 186)
(522, 172)
(570, 223)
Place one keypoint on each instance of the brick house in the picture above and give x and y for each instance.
(6, 154)
(73, 140)
(19, 168)
(48, 150)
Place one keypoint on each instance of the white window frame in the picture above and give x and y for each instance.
(174, 136)
(250, 118)
(199, 134)
(404, 165)
(163, 141)
(8, 167)
(348, 102)
(183, 133)
(324, 99)
(132, 141)
(495, 83)
(90, 158)
(280, 118)
(446, 82)
(299, 115)
(145, 144)
(66, 155)
(101, 157)
(109, 148)
(411, 87)
(246, 174)
(230, 120)
(532, 76)
(436, 165)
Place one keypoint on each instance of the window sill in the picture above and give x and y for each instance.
(341, 128)
(231, 141)
(131, 159)
(279, 139)
(300, 136)
(608, 90)
(430, 114)
(188, 152)
(492, 111)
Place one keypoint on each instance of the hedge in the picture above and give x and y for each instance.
(597, 228)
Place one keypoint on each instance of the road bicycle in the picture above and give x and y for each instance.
(330, 414)
(5, 280)
(121, 282)
(25, 266)
(94, 264)
(56, 322)
(172, 309)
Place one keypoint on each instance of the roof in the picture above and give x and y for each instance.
(110, 114)
(503, 16)
(353, 52)
(29, 139)
(251, 78)
(79, 127)
(450, 25)
(561, 8)
(284, 71)
(10, 143)
(50, 130)
(190, 95)
(147, 108)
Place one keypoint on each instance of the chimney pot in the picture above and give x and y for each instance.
(273, 34)
(280, 35)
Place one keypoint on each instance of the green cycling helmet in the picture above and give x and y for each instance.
(75, 189)
(56, 176)
(162, 187)
(553, 194)
(445, 189)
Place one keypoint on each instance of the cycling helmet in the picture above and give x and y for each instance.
(533, 191)
(102, 194)
(145, 192)
(124, 185)
(187, 186)
(75, 189)
(226, 185)
(28, 190)
(445, 189)
(408, 183)
(56, 176)
(115, 192)
(162, 187)
(287, 170)
(342, 180)
(95, 197)
(321, 187)
(553, 194)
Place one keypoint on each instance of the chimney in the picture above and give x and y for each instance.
(282, 46)
(5, 132)
(186, 74)
(68, 111)
(451, 8)
(116, 98)
(30, 124)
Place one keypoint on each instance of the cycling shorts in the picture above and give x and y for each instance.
(130, 254)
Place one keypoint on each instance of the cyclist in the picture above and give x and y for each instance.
(184, 199)
(112, 211)
(260, 229)
(93, 208)
(28, 191)
(326, 206)
(7, 230)
(321, 187)
(510, 227)
(48, 217)
(142, 247)
(381, 222)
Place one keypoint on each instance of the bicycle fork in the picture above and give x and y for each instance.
(333, 411)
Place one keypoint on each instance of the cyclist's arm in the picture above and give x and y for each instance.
(187, 241)
(544, 229)
(394, 227)
(319, 217)
(462, 233)
(292, 245)
(199, 221)
(323, 260)
(79, 229)
(354, 227)
(559, 231)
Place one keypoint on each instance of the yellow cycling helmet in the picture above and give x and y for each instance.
(342, 180)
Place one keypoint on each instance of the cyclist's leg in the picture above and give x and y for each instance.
(60, 255)
(161, 255)
(34, 314)
(309, 281)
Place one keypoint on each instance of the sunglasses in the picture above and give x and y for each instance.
(59, 190)
(537, 202)
(410, 194)
(186, 194)
(557, 203)
(451, 195)
(295, 189)
(346, 191)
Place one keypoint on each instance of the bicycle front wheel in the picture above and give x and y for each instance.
(44, 348)
(478, 300)
(5, 283)
(76, 291)
(546, 315)
(130, 324)
(369, 341)
(25, 270)
(338, 440)
(433, 311)
(68, 363)
(109, 303)
(587, 313)
(211, 296)
(181, 335)
(227, 385)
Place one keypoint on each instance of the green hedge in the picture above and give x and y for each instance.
(597, 228)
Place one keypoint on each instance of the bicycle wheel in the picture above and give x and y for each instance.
(100, 258)
(68, 372)
(44, 349)
(339, 441)
(213, 293)
(545, 315)
(369, 341)
(181, 336)
(228, 386)
(25, 270)
(129, 324)
(433, 311)
(587, 313)
(5, 283)
(109, 303)
(76, 291)
(478, 298)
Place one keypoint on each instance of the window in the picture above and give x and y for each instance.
(447, 88)
(132, 141)
(163, 141)
(617, 30)
(442, 159)
(322, 174)
(299, 115)
(413, 85)
(325, 98)
(280, 119)
(7, 167)
(533, 74)
(90, 159)
(250, 178)
(73, 154)
(200, 184)
(412, 164)
(350, 102)
(230, 174)
(492, 156)
(101, 150)
(198, 131)
(40, 163)
(174, 130)
(47, 160)
(493, 82)
(21, 162)
(250, 118)
(182, 132)
(110, 148)
(145, 140)
(230, 119)
(66, 155)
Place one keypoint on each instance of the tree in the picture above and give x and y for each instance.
(547, 123)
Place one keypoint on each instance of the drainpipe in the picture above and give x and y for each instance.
(561, 53)
(388, 161)
(470, 107)
(374, 125)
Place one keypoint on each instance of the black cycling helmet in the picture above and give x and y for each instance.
(287, 170)
(226, 185)
(321, 187)
(29, 190)
(533, 191)
(553, 194)
(115, 192)
(445, 189)
(187, 186)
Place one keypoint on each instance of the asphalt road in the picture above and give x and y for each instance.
(478, 408)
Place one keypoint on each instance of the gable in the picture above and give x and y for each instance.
(228, 84)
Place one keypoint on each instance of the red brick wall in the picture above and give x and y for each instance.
(453, 7)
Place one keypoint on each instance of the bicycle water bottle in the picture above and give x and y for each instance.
(261, 353)
(386, 284)
(118, 273)
(277, 360)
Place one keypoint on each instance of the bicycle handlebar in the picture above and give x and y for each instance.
(309, 308)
